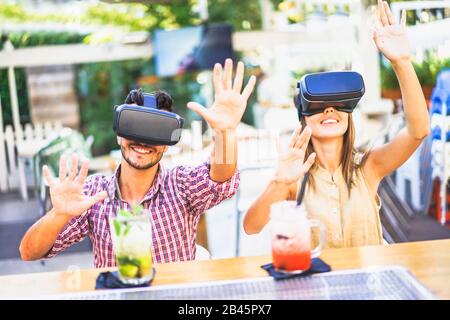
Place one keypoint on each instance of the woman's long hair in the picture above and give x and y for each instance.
(347, 157)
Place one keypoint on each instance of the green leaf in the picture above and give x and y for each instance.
(124, 213)
(123, 260)
(117, 227)
(127, 229)
(137, 209)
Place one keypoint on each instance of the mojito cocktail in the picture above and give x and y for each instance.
(132, 241)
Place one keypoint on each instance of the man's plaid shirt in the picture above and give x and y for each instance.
(176, 201)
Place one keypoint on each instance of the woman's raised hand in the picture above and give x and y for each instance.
(291, 164)
(390, 37)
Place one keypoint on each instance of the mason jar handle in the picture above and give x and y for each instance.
(318, 249)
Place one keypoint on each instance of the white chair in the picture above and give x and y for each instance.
(408, 183)
(201, 253)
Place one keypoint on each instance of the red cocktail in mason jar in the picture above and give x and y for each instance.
(291, 237)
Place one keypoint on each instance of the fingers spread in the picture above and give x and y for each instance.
(48, 176)
(389, 15)
(403, 18)
(238, 80)
(73, 167)
(199, 109)
(249, 88)
(376, 37)
(303, 141)
(83, 171)
(217, 78)
(309, 162)
(382, 13)
(228, 74)
(62, 168)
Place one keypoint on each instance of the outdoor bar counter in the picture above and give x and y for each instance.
(428, 261)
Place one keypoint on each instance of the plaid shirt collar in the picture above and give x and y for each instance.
(113, 181)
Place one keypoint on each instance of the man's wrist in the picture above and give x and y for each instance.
(59, 217)
(226, 131)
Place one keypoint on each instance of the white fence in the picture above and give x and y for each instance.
(18, 147)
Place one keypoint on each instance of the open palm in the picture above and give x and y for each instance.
(66, 192)
(391, 37)
(291, 165)
(229, 103)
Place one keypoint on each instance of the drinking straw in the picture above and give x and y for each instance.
(301, 192)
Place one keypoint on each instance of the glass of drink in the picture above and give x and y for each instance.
(131, 234)
(291, 237)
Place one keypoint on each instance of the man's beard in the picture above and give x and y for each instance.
(135, 165)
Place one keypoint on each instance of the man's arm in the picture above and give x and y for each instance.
(69, 200)
(41, 236)
(224, 117)
(223, 155)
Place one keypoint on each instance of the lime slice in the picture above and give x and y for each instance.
(145, 265)
(128, 270)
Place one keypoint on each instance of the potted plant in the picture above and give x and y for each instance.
(426, 71)
(390, 88)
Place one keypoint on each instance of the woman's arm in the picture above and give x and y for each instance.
(283, 186)
(391, 40)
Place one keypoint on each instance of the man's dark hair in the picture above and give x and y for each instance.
(163, 99)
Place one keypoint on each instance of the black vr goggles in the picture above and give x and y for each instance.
(318, 91)
(147, 124)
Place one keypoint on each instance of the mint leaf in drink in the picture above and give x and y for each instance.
(127, 229)
(117, 227)
(137, 209)
(124, 213)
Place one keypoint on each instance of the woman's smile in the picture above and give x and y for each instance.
(329, 121)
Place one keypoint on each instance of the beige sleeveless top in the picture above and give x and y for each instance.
(350, 220)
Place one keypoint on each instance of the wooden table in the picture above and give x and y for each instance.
(429, 261)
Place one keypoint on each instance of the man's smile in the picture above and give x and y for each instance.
(141, 149)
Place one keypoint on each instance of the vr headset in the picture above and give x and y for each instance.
(318, 91)
(147, 124)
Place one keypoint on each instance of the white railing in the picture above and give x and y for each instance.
(16, 147)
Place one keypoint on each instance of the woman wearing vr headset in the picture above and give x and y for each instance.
(175, 197)
(341, 185)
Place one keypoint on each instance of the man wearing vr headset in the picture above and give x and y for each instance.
(175, 197)
(341, 184)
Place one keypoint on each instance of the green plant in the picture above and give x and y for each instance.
(21, 86)
(426, 70)
(25, 39)
(388, 78)
(100, 86)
